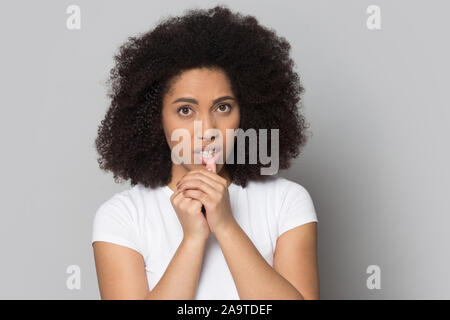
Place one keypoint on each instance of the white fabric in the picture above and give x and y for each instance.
(143, 219)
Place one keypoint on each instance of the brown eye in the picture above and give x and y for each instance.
(184, 110)
(221, 109)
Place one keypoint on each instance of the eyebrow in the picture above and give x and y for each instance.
(190, 100)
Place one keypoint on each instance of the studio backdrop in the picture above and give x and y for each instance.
(376, 164)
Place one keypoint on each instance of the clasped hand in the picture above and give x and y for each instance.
(212, 191)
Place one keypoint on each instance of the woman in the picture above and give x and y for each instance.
(183, 231)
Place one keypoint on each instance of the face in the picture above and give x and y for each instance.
(200, 100)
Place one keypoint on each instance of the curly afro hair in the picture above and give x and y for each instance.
(131, 141)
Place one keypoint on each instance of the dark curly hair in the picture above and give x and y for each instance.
(131, 141)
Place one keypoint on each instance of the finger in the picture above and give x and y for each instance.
(212, 177)
(199, 185)
(211, 166)
(211, 163)
(176, 193)
(204, 171)
(197, 195)
(176, 196)
(191, 204)
(198, 176)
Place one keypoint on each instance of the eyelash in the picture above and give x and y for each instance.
(186, 106)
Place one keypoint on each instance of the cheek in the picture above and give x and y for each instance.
(228, 138)
(236, 117)
(168, 133)
(180, 133)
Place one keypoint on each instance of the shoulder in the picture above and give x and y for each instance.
(292, 188)
(278, 194)
(277, 185)
(117, 221)
(122, 199)
(120, 205)
(129, 203)
(129, 198)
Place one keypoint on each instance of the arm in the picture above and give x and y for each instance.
(121, 272)
(253, 276)
(295, 259)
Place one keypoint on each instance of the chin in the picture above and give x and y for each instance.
(194, 166)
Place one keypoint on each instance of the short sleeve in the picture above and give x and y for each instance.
(114, 222)
(297, 208)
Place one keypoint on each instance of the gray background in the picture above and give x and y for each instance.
(376, 164)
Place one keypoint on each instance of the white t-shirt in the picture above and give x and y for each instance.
(143, 219)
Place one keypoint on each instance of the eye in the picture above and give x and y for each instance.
(225, 104)
(183, 110)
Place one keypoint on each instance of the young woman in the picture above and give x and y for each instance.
(183, 231)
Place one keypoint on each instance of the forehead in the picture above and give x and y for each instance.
(200, 82)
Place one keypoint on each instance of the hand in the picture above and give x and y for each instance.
(211, 190)
(189, 214)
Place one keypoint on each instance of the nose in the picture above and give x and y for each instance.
(208, 125)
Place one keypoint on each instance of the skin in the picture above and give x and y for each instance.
(121, 270)
(205, 86)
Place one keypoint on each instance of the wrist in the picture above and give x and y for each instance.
(225, 227)
(194, 241)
